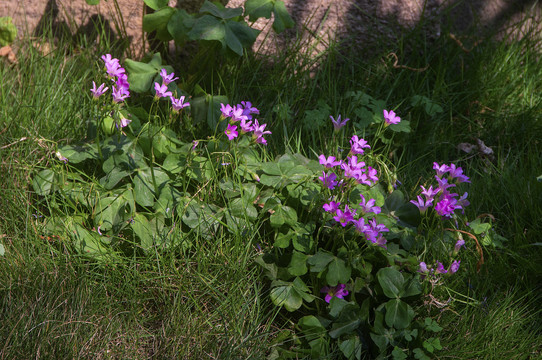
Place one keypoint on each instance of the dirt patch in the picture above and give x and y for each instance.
(364, 22)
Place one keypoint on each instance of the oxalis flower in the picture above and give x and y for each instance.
(97, 92)
(338, 291)
(391, 118)
(231, 132)
(161, 91)
(338, 124)
(178, 104)
(166, 79)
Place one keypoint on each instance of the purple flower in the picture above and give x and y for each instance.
(231, 132)
(166, 79)
(421, 204)
(259, 132)
(344, 217)
(446, 206)
(226, 110)
(460, 243)
(194, 144)
(338, 291)
(249, 109)
(161, 91)
(457, 173)
(369, 206)
(237, 113)
(119, 94)
(358, 145)
(440, 268)
(329, 180)
(338, 124)
(455, 266)
(429, 193)
(246, 125)
(112, 66)
(178, 104)
(124, 122)
(96, 93)
(122, 82)
(328, 162)
(332, 206)
(443, 185)
(441, 170)
(361, 226)
(423, 268)
(391, 118)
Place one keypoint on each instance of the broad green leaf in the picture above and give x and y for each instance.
(8, 31)
(88, 243)
(351, 348)
(92, 2)
(170, 197)
(220, 12)
(381, 341)
(432, 344)
(397, 314)
(345, 327)
(402, 126)
(338, 272)
(290, 294)
(256, 9)
(394, 201)
(141, 75)
(320, 260)
(242, 209)
(413, 287)
(43, 182)
(302, 239)
(398, 354)
(282, 215)
(336, 306)
(283, 20)
(112, 212)
(391, 280)
(147, 185)
(478, 227)
(158, 21)
(78, 153)
(174, 163)
(208, 27)
(143, 230)
(432, 325)
(179, 25)
(420, 355)
(298, 264)
(156, 4)
(239, 35)
(409, 213)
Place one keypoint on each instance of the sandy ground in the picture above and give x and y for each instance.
(365, 22)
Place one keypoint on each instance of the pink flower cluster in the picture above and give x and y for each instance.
(445, 201)
(242, 114)
(120, 91)
(438, 268)
(161, 91)
(338, 291)
(365, 224)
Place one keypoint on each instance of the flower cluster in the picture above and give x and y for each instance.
(438, 268)
(391, 118)
(116, 73)
(445, 202)
(242, 114)
(352, 168)
(161, 91)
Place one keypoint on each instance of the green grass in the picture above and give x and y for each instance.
(212, 302)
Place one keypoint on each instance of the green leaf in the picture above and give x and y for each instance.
(179, 25)
(409, 213)
(174, 163)
(43, 182)
(283, 20)
(392, 282)
(432, 325)
(223, 12)
(397, 314)
(256, 9)
(158, 21)
(282, 215)
(344, 327)
(208, 27)
(147, 185)
(351, 347)
(298, 264)
(78, 153)
(8, 31)
(420, 355)
(319, 261)
(432, 344)
(92, 2)
(143, 230)
(242, 209)
(88, 243)
(156, 4)
(381, 341)
(398, 354)
(289, 294)
(402, 126)
(478, 227)
(2, 250)
(112, 212)
(338, 272)
(414, 287)
(141, 75)
(239, 35)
